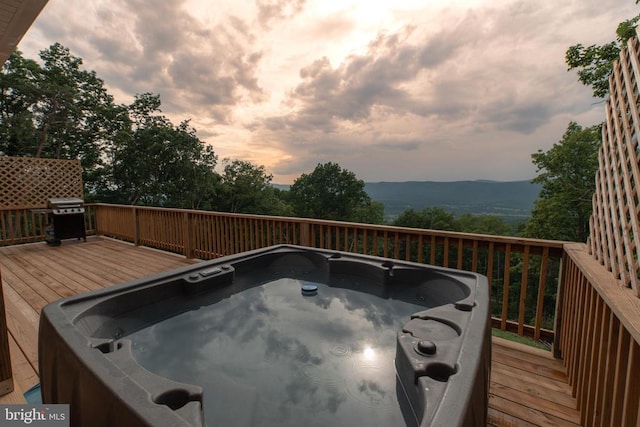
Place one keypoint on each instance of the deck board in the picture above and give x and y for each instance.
(528, 386)
(22, 321)
(24, 376)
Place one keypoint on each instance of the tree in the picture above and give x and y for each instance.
(595, 63)
(160, 164)
(482, 224)
(281, 203)
(567, 174)
(432, 218)
(369, 213)
(246, 188)
(330, 192)
(19, 92)
(435, 218)
(242, 186)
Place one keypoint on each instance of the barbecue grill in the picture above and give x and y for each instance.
(66, 220)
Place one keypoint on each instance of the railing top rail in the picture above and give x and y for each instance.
(553, 244)
(20, 208)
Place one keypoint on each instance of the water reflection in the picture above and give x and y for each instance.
(281, 358)
(368, 354)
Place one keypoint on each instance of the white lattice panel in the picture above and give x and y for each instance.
(615, 223)
(27, 182)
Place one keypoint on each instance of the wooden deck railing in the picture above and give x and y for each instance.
(523, 272)
(599, 341)
(20, 226)
(25, 226)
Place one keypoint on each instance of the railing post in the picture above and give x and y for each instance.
(6, 377)
(96, 212)
(100, 215)
(136, 227)
(304, 234)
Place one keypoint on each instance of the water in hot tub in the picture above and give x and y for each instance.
(272, 356)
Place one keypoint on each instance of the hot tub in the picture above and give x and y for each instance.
(282, 336)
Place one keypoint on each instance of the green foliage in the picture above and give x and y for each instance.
(330, 192)
(483, 224)
(369, 213)
(595, 63)
(517, 338)
(567, 174)
(246, 188)
(436, 218)
(242, 186)
(18, 93)
(159, 164)
(428, 218)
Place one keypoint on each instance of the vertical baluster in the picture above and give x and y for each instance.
(523, 290)
(445, 261)
(460, 250)
(541, 288)
(505, 287)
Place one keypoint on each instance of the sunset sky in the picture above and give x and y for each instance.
(393, 91)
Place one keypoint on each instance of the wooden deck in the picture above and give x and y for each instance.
(528, 386)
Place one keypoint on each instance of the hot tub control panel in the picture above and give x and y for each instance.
(207, 278)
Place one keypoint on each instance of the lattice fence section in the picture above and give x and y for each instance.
(27, 182)
(615, 226)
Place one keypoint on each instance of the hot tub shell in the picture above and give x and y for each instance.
(443, 354)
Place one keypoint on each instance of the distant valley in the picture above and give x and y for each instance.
(512, 200)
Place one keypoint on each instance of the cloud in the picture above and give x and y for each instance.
(350, 91)
(276, 10)
(395, 145)
(489, 72)
(157, 46)
(427, 87)
(435, 77)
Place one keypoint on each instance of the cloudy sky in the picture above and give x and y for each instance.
(407, 90)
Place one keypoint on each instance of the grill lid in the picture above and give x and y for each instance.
(66, 206)
(66, 202)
